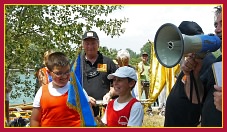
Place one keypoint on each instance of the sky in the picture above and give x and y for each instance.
(145, 20)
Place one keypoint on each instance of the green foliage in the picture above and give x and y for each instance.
(146, 48)
(30, 30)
(134, 58)
(111, 53)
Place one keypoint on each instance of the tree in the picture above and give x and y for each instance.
(30, 30)
(146, 48)
(134, 58)
(111, 53)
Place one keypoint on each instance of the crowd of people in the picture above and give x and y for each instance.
(194, 100)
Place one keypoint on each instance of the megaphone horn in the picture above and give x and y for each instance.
(170, 45)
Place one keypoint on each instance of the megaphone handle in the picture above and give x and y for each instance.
(192, 80)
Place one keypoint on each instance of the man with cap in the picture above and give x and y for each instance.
(96, 67)
(143, 69)
(180, 111)
(125, 110)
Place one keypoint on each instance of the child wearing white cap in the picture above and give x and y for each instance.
(125, 110)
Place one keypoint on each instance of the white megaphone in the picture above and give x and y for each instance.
(170, 45)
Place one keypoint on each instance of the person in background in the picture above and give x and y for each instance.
(125, 110)
(96, 67)
(49, 106)
(42, 74)
(185, 107)
(143, 69)
(123, 58)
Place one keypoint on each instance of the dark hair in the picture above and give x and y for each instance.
(218, 10)
(190, 28)
(57, 59)
(129, 80)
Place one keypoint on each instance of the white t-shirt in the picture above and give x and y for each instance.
(136, 113)
(54, 92)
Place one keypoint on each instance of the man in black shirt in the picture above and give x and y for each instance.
(96, 67)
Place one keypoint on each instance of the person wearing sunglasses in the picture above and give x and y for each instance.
(96, 68)
(49, 106)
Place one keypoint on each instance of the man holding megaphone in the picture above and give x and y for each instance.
(202, 98)
(178, 106)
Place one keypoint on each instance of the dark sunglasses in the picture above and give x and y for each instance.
(61, 74)
(91, 74)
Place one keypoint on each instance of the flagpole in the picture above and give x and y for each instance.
(82, 64)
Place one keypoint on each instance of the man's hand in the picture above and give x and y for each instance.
(218, 97)
(92, 101)
(106, 98)
(191, 63)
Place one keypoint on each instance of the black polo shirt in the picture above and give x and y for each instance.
(95, 80)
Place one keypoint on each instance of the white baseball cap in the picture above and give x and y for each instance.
(124, 72)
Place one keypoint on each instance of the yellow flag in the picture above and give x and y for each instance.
(160, 76)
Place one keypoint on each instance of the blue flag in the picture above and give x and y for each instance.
(76, 97)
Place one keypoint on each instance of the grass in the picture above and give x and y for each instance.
(154, 120)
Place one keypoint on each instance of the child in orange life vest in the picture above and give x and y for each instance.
(125, 110)
(49, 106)
(42, 74)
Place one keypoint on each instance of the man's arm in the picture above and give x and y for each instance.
(140, 68)
(189, 65)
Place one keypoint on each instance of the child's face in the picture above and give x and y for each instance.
(60, 75)
(122, 86)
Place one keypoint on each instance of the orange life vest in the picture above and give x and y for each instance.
(55, 112)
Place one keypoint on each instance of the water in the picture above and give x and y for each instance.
(23, 99)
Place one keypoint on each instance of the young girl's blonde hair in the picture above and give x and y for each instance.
(45, 56)
(123, 58)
